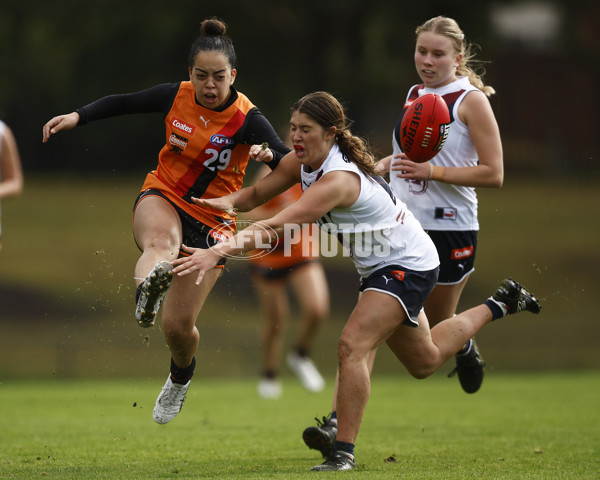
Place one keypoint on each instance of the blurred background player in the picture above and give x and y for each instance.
(274, 274)
(211, 132)
(441, 192)
(11, 172)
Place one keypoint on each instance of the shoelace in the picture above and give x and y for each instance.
(173, 393)
(326, 422)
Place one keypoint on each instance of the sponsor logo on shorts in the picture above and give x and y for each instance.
(221, 140)
(399, 274)
(183, 126)
(460, 253)
(218, 235)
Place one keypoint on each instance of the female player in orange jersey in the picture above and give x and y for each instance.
(211, 132)
(295, 267)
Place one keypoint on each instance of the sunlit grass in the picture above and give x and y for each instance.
(518, 426)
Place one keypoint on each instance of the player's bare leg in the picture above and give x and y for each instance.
(182, 306)
(157, 231)
(309, 284)
(441, 304)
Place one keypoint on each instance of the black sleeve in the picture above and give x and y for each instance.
(258, 130)
(155, 99)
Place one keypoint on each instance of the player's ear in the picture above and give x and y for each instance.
(458, 59)
(233, 75)
(330, 133)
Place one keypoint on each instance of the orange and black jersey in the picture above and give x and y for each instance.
(283, 252)
(206, 151)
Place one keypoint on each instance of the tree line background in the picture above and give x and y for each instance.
(57, 56)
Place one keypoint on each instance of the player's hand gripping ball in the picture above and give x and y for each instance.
(424, 127)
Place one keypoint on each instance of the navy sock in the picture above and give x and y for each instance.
(333, 417)
(344, 447)
(495, 308)
(182, 375)
(466, 348)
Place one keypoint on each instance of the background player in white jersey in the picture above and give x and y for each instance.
(441, 192)
(11, 172)
(396, 259)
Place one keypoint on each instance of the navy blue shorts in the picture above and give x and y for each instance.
(409, 287)
(194, 233)
(457, 254)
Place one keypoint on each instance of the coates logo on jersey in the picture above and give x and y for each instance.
(183, 126)
(221, 140)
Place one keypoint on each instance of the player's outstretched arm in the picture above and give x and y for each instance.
(62, 122)
(279, 180)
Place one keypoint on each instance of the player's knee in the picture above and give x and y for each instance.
(176, 330)
(161, 241)
(344, 350)
(422, 369)
(317, 312)
(165, 243)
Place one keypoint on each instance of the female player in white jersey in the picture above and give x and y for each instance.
(441, 192)
(11, 171)
(396, 259)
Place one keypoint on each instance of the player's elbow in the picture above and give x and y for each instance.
(13, 188)
(497, 180)
(494, 178)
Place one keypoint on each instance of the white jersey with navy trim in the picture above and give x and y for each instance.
(377, 230)
(438, 205)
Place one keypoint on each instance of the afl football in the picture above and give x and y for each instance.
(424, 127)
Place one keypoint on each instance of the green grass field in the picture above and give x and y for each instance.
(520, 426)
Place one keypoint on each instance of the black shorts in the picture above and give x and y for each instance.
(194, 233)
(409, 287)
(457, 254)
(269, 273)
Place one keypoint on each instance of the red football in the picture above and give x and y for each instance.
(424, 127)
